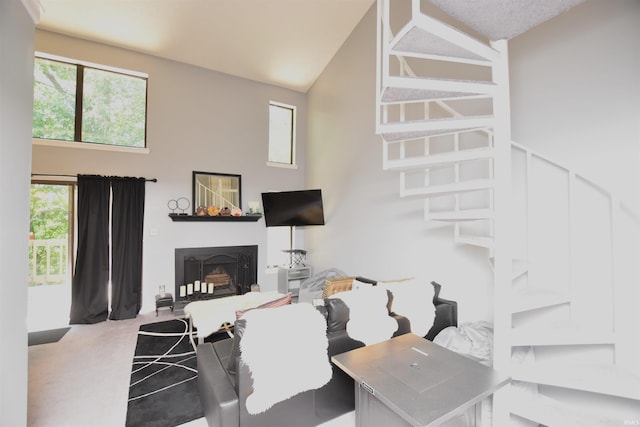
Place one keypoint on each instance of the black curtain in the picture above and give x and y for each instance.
(127, 218)
(89, 290)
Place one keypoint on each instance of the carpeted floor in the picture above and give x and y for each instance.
(163, 389)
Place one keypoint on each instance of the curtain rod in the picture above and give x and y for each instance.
(75, 176)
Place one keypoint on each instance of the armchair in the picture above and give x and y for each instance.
(230, 385)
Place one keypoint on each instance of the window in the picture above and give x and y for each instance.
(282, 130)
(88, 103)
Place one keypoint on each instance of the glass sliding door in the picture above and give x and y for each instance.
(50, 254)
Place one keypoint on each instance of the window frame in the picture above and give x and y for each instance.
(294, 112)
(77, 142)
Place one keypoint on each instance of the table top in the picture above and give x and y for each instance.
(423, 383)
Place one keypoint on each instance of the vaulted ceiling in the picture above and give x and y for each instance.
(282, 42)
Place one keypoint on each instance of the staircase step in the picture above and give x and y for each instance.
(398, 131)
(533, 298)
(553, 413)
(482, 241)
(560, 334)
(427, 37)
(406, 89)
(518, 266)
(460, 215)
(604, 379)
(439, 159)
(442, 190)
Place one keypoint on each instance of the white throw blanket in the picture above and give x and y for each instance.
(208, 316)
(413, 299)
(285, 348)
(369, 319)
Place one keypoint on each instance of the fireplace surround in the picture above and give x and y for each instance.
(226, 270)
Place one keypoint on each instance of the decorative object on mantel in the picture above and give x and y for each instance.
(173, 205)
(254, 208)
(181, 204)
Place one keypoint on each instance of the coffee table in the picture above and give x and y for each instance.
(410, 381)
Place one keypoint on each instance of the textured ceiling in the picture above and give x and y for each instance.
(504, 19)
(281, 42)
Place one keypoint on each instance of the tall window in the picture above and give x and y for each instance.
(85, 103)
(282, 131)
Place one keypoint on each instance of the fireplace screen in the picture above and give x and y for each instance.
(203, 273)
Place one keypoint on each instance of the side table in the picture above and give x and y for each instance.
(164, 300)
(409, 381)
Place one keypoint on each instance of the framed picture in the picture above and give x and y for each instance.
(211, 190)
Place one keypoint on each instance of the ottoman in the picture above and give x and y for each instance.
(164, 300)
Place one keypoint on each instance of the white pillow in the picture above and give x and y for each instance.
(413, 299)
(356, 284)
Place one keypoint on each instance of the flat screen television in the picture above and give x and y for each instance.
(293, 208)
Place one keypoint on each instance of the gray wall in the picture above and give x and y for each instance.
(16, 99)
(575, 91)
(197, 120)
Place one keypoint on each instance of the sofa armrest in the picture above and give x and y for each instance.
(446, 315)
(217, 393)
(366, 280)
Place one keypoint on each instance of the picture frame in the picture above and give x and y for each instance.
(219, 190)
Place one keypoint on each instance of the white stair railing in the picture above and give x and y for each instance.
(411, 111)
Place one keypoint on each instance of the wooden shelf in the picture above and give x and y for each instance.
(195, 218)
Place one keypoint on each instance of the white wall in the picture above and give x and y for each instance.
(197, 120)
(563, 106)
(370, 230)
(575, 91)
(16, 98)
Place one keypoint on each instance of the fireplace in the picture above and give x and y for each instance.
(221, 271)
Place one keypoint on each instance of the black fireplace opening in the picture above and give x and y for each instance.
(215, 272)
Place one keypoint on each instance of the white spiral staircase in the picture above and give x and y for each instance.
(561, 247)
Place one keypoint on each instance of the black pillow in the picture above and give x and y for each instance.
(337, 314)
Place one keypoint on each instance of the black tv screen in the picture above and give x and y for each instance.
(293, 208)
